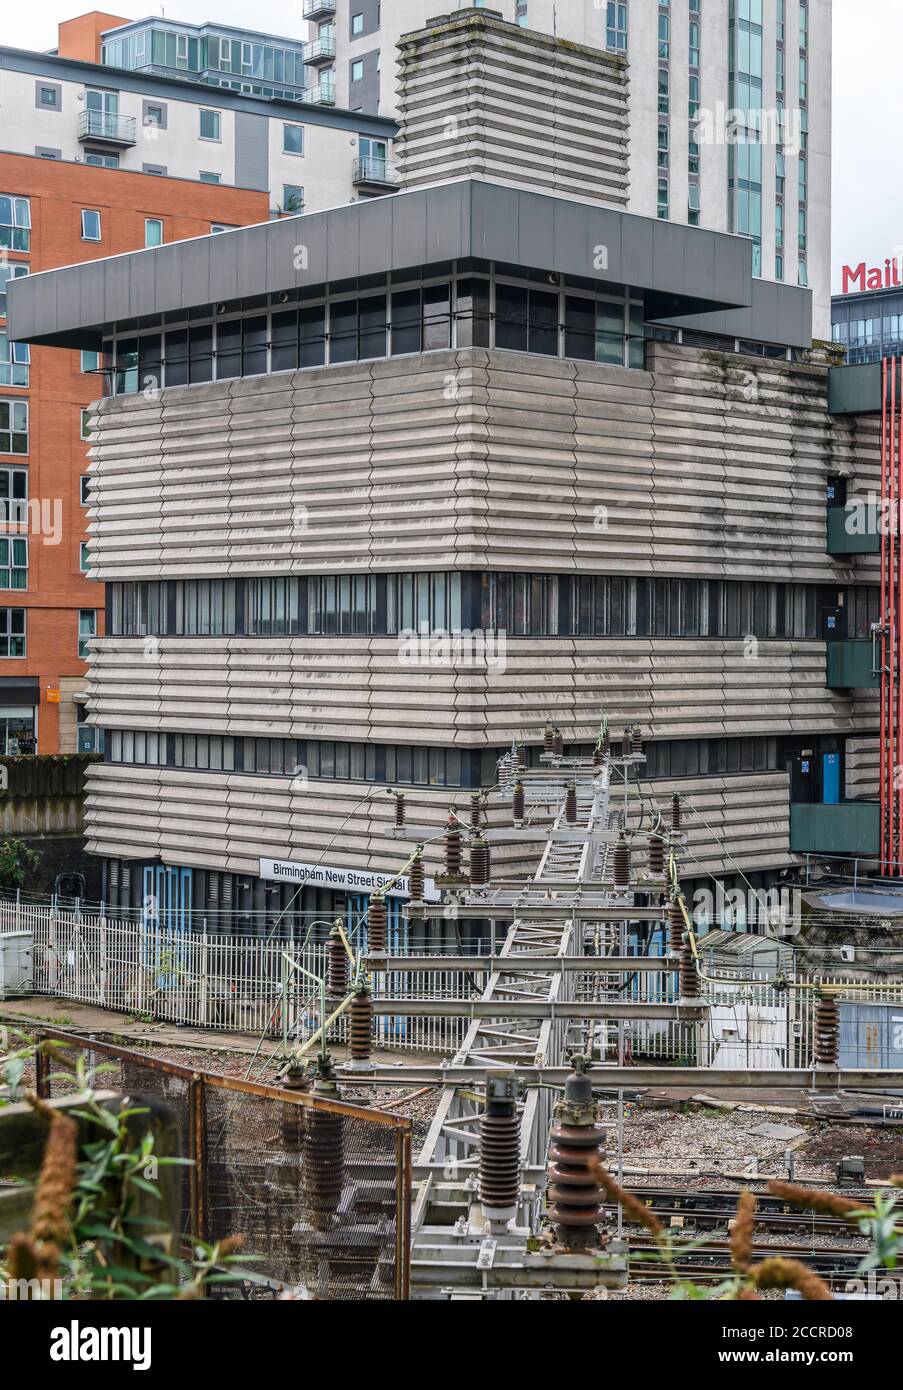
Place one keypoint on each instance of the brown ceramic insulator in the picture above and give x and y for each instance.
(323, 1174)
(522, 755)
(558, 744)
(520, 801)
(377, 920)
(292, 1118)
(337, 975)
(689, 973)
(675, 812)
(360, 1026)
(574, 1196)
(479, 861)
(827, 1029)
(570, 805)
(598, 757)
(656, 848)
(621, 864)
(500, 1160)
(548, 737)
(417, 879)
(476, 812)
(399, 811)
(636, 741)
(606, 744)
(675, 927)
(452, 849)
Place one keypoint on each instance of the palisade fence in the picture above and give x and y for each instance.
(234, 983)
(243, 984)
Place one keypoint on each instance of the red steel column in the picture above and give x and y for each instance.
(896, 398)
(882, 642)
(891, 714)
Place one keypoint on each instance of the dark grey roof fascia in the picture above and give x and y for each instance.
(682, 269)
(855, 389)
(778, 314)
(183, 89)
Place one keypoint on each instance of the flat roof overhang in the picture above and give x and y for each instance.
(680, 270)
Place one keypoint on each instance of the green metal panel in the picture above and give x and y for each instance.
(855, 390)
(849, 827)
(849, 666)
(853, 530)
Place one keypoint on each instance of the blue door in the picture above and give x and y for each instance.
(166, 918)
(831, 778)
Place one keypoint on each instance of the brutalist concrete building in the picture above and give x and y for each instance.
(378, 490)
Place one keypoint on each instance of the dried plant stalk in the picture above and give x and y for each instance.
(828, 1203)
(743, 1231)
(50, 1218)
(627, 1200)
(779, 1273)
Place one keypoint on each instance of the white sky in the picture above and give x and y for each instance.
(868, 98)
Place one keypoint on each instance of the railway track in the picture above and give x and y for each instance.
(712, 1261)
(706, 1210)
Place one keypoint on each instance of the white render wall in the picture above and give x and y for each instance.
(583, 21)
(324, 170)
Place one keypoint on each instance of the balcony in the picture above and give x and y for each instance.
(323, 94)
(320, 51)
(851, 828)
(853, 530)
(318, 9)
(376, 174)
(102, 127)
(852, 666)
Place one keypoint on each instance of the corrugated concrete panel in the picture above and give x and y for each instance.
(479, 97)
(862, 768)
(229, 822)
(366, 689)
(706, 463)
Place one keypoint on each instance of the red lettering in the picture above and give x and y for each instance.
(854, 278)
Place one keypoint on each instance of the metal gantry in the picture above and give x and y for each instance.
(530, 1017)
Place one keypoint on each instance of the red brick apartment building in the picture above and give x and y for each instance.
(52, 213)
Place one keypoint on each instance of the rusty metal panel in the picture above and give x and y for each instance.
(319, 1190)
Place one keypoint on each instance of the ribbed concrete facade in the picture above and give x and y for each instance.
(214, 821)
(704, 465)
(479, 97)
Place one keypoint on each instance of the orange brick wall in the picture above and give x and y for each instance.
(58, 390)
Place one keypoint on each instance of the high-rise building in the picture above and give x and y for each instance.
(96, 162)
(66, 106)
(729, 108)
(51, 214)
(466, 464)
